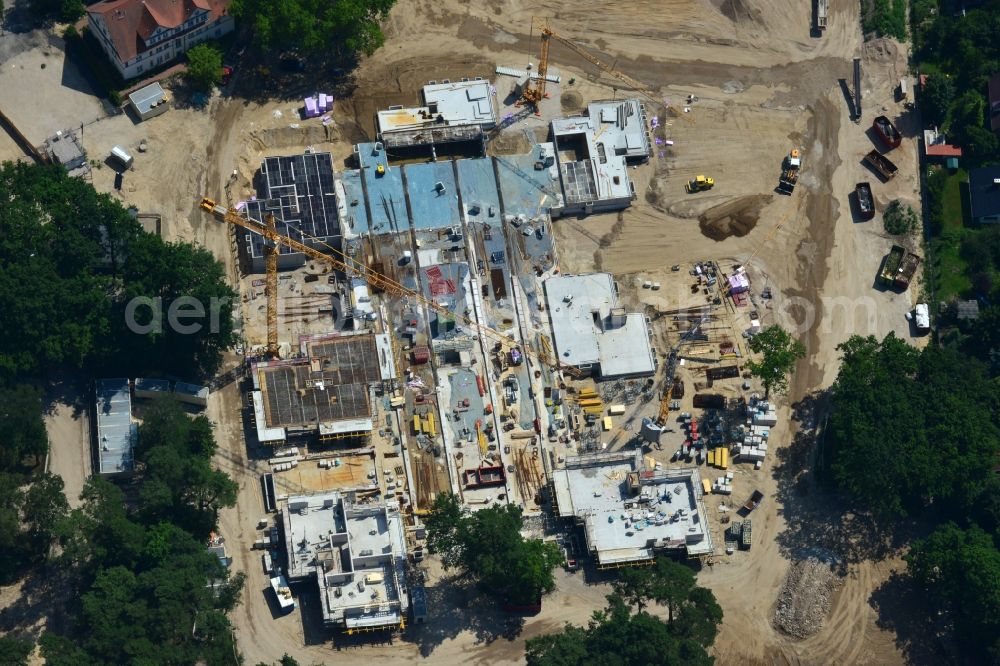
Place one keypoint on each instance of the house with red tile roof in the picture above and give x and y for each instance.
(936, 145)
(142, 35)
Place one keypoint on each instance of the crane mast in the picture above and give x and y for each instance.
(376, 280)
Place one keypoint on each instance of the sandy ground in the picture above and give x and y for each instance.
(70, 450)
(764, 86)
(40, 91)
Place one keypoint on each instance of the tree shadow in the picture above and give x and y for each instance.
(816, 516)
(902, 608)
(263, 76)
(459, 606)
(20, 19)
(68, 388)
(42, 596)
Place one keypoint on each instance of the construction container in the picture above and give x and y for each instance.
(429, 427)
(706, 486)
(607, 423)
(416, 423)
(591, 402)
(121, 156)
(616, 410)
(421, 355)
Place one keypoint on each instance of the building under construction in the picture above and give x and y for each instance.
(325, 392)
(629, 513)
(593, 332)
(453, 112)
(356, 553)
(298, 191)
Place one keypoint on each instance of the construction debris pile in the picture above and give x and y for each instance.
(804, 601)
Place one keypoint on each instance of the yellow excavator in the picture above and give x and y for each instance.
(700, 184)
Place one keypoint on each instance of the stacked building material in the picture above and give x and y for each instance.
(723, 485)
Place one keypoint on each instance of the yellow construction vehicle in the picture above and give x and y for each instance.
(353, 268)
(700, 184)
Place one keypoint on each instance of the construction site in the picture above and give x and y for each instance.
(521, 262)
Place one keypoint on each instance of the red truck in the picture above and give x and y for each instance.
(887, 132)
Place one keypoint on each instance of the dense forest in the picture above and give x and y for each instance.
(129, 578)
(913, 438)
(75, 263)
(957, 48)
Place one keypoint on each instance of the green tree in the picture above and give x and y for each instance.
(908, 427)
(617, 636)
(146, 594)
(192, 282)
(66, 11)
(14, 651)
(936, 98)
(204, 66)
(22, 430)
(899, 218)
(61, 651)
(779, 353)
(179, 483)
(313, 25)
(692, 611)
(488, 545)
(45, 506)
(86, 260)
(981, 142)
(960, 570)
(986, 328)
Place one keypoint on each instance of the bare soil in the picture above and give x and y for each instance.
(764, 85)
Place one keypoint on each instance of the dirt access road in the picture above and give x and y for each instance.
(764, 86)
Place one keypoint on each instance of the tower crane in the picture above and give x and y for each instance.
(533, 94)
(651, 428)
(350, 266)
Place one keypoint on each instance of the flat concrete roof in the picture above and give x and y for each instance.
(625, 522)
(351, 204)
(587, 334)
(146, 97)
(151, 386)
(590, 168)
(433, 207)
(386, 196)
(65, 149)
(478, 184)
(622, 127)
(355, 552)
(464, 101)
(446, 106)
(526, 190)
(115, 431)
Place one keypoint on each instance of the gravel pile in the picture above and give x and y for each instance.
(804, 601)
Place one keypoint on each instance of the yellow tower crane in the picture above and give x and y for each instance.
(533, 94)
(376, 280)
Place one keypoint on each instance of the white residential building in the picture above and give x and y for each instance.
(141, 35)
